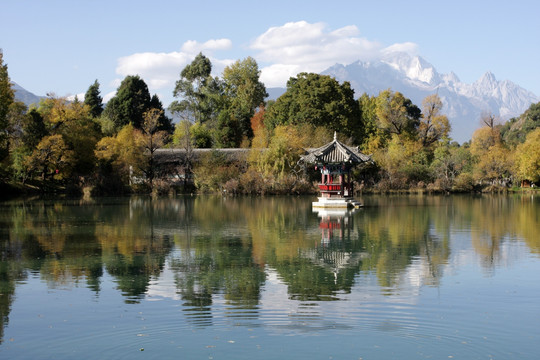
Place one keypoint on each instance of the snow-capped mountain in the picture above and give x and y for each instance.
(416, 78)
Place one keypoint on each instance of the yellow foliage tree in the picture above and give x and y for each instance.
(433, 125)
(285, 147)
(527, 165)
(125, 152)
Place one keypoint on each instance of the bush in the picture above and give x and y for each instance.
(464, 182)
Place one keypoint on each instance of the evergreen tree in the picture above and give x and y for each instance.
(93, 99)
(164, 122)
(7, 97)
(129, 104)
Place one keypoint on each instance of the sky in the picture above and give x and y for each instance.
(62, 47)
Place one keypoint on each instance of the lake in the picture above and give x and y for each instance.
(196, 277)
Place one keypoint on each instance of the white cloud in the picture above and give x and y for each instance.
(281, 52)
(407, 47)
(194, 47)
(162, 70)
(301, 46)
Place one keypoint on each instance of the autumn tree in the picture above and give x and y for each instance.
(433, 125)
(527, 166)
(123, 153)
(152, 139)
(52, 158)
(493, 162)
(396, 114)
(79, 130)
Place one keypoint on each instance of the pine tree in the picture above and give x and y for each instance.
(93, 99)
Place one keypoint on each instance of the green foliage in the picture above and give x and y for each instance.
(93, 99)
(318, 100)
(131, 101)
(33, 129)
(199, 93)
(201, 136)
(245, 93)
(283, 153)
(213, 171)
(228, 131)
(7, 97)
(163, 122)
(397, 115)
(450, 160)
(516, 130)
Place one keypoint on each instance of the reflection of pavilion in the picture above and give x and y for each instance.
(335, 252)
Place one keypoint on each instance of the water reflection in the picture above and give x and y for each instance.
(233, 251)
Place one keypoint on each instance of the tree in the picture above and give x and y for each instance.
(433, 125)
(319, 100)
(374, 136)
(7, 97)
(152, 139)
(245, 92)
(182, 138)
(516, 130)
(450, 160)
(93, 99)
(198, 92)
(396, 114)
(164, 122)
(284, 150)
(131, 101)
(79, 130)
(527, 165)
(123, 152)
(51, 158)
(228, 132)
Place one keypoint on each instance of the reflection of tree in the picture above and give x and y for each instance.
(211, 265)
(224, 245)
(11, 271)
(497, 219)
(132, 251)
(397, 230)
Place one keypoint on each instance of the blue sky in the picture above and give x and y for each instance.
(63, 46)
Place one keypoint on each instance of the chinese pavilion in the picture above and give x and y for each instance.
(335, 161)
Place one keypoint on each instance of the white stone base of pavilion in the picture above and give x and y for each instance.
(336, 203)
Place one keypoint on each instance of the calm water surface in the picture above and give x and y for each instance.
(406, 277)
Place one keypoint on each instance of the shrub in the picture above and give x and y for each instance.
(464, 182)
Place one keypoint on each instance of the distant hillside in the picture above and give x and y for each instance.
(515, 131)
(25, 96)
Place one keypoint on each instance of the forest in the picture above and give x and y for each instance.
(87, 147)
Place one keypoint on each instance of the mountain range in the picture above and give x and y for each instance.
(24, 95)
(416, 78)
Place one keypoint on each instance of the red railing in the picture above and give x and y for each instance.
(331, 187)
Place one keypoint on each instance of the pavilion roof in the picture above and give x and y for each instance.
(335, 152)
